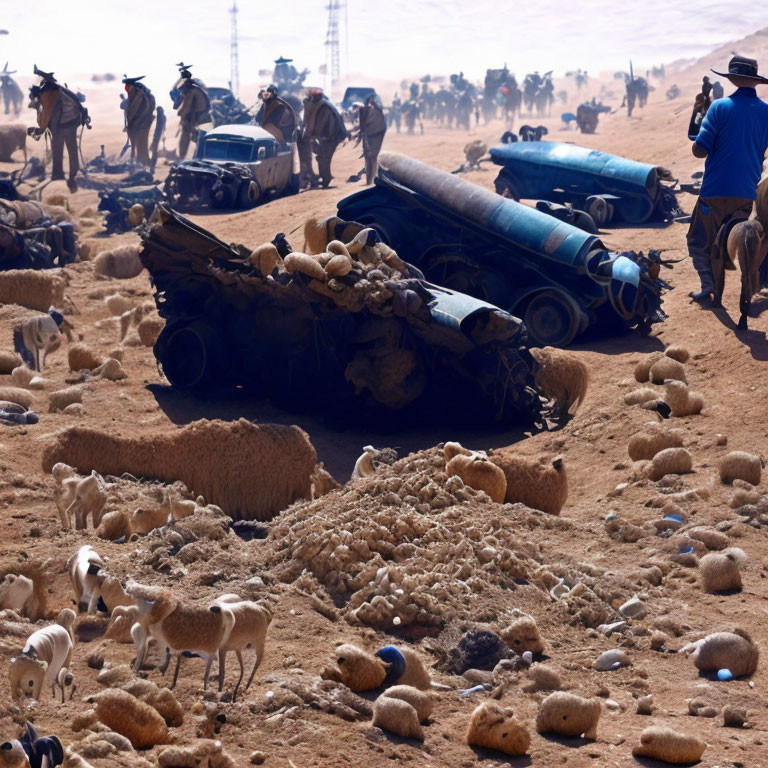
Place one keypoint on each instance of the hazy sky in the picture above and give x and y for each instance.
(387, 38)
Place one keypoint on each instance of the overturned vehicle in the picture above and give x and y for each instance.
(339, 333)
(559, 279)
(35, 236)
(235, 166)
(608, 187)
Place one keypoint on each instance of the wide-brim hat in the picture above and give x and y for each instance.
(742, 67)
(133, 80)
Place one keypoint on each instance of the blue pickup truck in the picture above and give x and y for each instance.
(558, 279)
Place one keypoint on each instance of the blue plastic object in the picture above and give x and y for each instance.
(724, 674)
(396, 661)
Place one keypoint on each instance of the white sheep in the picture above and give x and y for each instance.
(45, 658)
(84, 567)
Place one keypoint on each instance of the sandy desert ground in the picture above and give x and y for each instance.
(283, 715)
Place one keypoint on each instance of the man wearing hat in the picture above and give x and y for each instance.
(372, 127)
(734, 140)
(276, 115)
(192, 105)
(139, 115)
(324, 128)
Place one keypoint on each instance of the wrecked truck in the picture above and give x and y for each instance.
(609, 188)
(558, 279)
(378, 339)
(235, 166)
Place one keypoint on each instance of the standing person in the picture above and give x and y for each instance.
(324, 128)
(276, 115)
(734, 139)
(192, 105)
(139, 116)
(61, 112)
(373, 126)
(12, 94)
(395, 112)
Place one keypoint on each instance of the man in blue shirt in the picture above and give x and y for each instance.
(734, 139)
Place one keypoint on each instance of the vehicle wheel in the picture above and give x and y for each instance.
(482, 284)
(192, 354)
(550, 320)
(506, 187)
(248, 194)
(635, 210)
(584, 221)
(222, 195)
(597, 208)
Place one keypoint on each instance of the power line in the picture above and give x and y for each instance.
(234, 54)
(332, 43)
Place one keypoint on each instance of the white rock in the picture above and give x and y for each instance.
(609, 629)
(610, 660)
(633, 609)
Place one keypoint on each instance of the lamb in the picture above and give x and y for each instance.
(709, 537)
(306, 265)
(404, 667)
(84, 567)
(178, 626)
(16, 395)
(643, 368)
(538, 483)
(682, 401)
(140, 723)
(720, 571)
(82, 358)
(9, 360)
(561, 376)
(115, 525)
(542, 678)
(419, 700)
(44, 659)
(640, 396)
(84, 498)
(493, 727)
(133, 317)
(480, 473)
(12, 137)
(318, 233)
(117, 304)
(725, 650)
(36, 337)
(661, 743)
(398, 717)
(667, 368)
(670, 461)
(266, 259)
(364, 466)
(523, 635)
(121, 620)
(32, 288)
(740, 465)
(204, 753)
(122, 263)
(253, 473)
(111, 370)
(569, 715)
(62, 398)
(652, 439)
(149, 329)
(357, 669)
(161, 699)
(23, 589)
(249, 631)
(457, 449)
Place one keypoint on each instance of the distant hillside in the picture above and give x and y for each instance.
(755, 46)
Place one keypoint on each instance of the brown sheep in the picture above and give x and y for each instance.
(398, 717)
(643, 368)
(251, 472)
(640, 396)
(204, 753)
(669, 746)
(561, 376)
(677, 352)
(16, 395)
(455, 449)
(59, 400)
(125, 714)
(492, 727)
(115, 525)
(121, 621)
(357, 669)
(32, 288)
(740, 465)
(726, 650)
(523, 635)
(670, 461)
(161, 699)
(682, 401)
(82, 358)
(539, 483)
(265, 258)
(33, 590)
(720, 571)
(667, 368)
(653, 437)
(149, 328)
(481, 474)
(419, 700)
(122, 263)
(12, 137)
(568, 715)
(542, 678)
(9, 361)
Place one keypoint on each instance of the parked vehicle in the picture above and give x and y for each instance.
(365, 341)
(559, 279)
(605, 186)
(235, 166)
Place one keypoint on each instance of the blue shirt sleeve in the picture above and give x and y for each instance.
(708, 130)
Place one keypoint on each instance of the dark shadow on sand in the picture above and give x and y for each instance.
(754, 340)
(499, 758)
